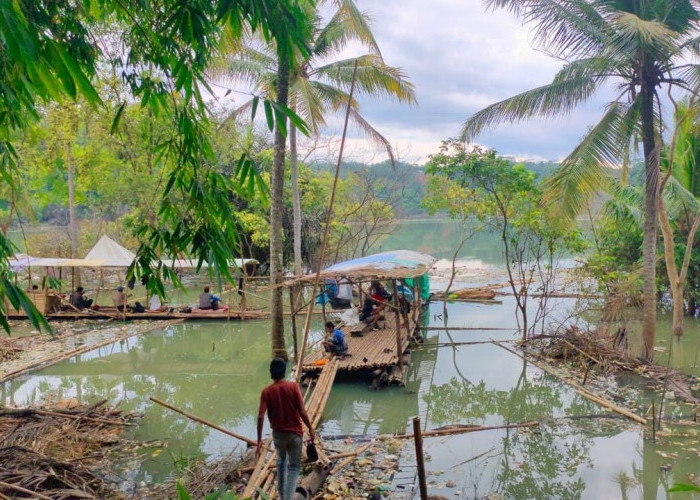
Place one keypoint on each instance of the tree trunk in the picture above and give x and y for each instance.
(651, 203)
(296, 200)
(276, 208)
(72, 222)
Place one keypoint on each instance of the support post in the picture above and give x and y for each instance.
(418, 440)
(397, 319)
(293, 304)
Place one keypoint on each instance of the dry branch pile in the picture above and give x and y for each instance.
(589, 352)
(51, 452)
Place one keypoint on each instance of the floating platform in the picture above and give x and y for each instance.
(107, 313)
(374, 349)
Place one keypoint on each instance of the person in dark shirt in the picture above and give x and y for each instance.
(208, 300)
(78, 299)
(284, 404)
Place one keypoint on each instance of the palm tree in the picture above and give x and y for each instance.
(317, 85)
(640, 45)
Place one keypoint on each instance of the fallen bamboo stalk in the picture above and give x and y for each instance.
(579, 389)
(476, 457)
(581, 351)
(466, 429)
(350, 458)
(477, 301)
(69, 416)
(463, 328)
(33, 494)
(453, 344)
(205, 422)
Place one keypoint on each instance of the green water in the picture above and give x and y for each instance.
(217, 370)
(439, 238)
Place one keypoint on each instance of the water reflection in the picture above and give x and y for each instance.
(217, 370)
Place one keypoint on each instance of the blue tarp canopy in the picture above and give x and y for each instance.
(385, 265)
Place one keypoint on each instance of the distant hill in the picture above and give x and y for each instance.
(410, 179)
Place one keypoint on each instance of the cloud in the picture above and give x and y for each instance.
(462, 58)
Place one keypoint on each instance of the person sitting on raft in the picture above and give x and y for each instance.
(119, 299)
(208, 300)
(79, 300)
(335, 343)
(374, 306)
(155, 305)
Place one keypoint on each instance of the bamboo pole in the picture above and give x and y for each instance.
(464, 430)
(464, 328)
(418, 440)
(329, 215)
(32, 494)
(397, 319)
(205, 422)
(292, 306)
(351, 456)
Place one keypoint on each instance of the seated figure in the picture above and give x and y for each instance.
(335, 342)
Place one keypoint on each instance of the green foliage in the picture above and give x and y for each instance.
(51, 52)
(684, 487)
(507, 198)
(221, 494)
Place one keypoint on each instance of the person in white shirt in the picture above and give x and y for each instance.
(155, 305)
(343, 299)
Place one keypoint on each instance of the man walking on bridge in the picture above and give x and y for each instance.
(285, 409)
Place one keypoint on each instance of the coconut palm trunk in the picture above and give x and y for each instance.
(651, 204)
(296, 199)
(276, 208)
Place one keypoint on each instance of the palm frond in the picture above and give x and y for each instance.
(307, 103)
(588, 168)
(690, 75)
(596, 67)
(624, 203)
(560, 26)
(333, 97)
(372, 133)
(374, 77)
(678, 198)
(348, 23)
(631, 34)
(248, 64)
(546, 101)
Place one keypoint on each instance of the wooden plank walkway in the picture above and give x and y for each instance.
(375, 349)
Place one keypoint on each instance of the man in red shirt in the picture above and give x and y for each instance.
(285, 409)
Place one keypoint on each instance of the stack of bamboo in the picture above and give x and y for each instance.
(263, 477)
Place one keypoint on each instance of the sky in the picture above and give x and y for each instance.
(460, 58)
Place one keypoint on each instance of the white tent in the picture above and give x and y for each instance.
(111, 253)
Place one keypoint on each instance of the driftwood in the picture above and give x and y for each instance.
(466, 293)
(311, 483)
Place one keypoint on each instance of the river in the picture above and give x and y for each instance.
(217, 370)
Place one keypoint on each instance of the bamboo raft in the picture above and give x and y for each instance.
(105, 313)
(375, 349)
